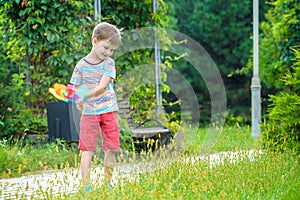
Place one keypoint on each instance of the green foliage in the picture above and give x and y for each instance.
(11, 104)
(280, 33)
(126, 140)
(144, 104)
(285, 108)
(279, 72)
(224, 29)
(43, 40)
(283, 126)
(142, 97)
(29, 121)
(44, 44)
(40, 46)
(225, 35)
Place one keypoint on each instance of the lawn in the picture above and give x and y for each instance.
(227, 138)
(20, 158)
(271, 175)
(267, 175)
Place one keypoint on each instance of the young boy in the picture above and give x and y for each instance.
(97, 73)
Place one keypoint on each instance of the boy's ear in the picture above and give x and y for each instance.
(94, 41)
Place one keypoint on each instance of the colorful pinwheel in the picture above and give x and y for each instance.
(64, 93)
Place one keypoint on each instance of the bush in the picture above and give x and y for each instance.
(283, 127)
(39, 46)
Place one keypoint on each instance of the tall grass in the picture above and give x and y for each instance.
(272, 175)
(19, 157)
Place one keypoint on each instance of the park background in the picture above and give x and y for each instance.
(42, 41)
(41, 45)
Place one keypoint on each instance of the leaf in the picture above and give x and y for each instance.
(26, 93)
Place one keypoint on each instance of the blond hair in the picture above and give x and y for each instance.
(104, 31)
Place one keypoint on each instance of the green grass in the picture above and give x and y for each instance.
(18, 159)
(235, 139)
(228, 138)
(271, 175)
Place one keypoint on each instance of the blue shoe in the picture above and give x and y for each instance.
(110, 186)
(88, 188)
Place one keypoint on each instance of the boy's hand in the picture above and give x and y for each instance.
(79, 104)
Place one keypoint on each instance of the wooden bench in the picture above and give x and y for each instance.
(140, 133)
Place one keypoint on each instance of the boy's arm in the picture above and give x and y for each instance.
(99, 89)
(79, 102)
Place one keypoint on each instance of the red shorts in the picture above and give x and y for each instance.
(92, 125)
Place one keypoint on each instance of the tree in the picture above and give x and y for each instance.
(280, 72)
(224, 29)
(283, 126)
(280, 33)
(132, 15)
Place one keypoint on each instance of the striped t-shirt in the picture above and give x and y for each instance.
(88, 76)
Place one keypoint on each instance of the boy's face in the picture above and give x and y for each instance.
(103, 48)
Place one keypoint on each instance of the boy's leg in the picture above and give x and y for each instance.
(110, 142)
(89, 130)
(85, 165)
(109, 163)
